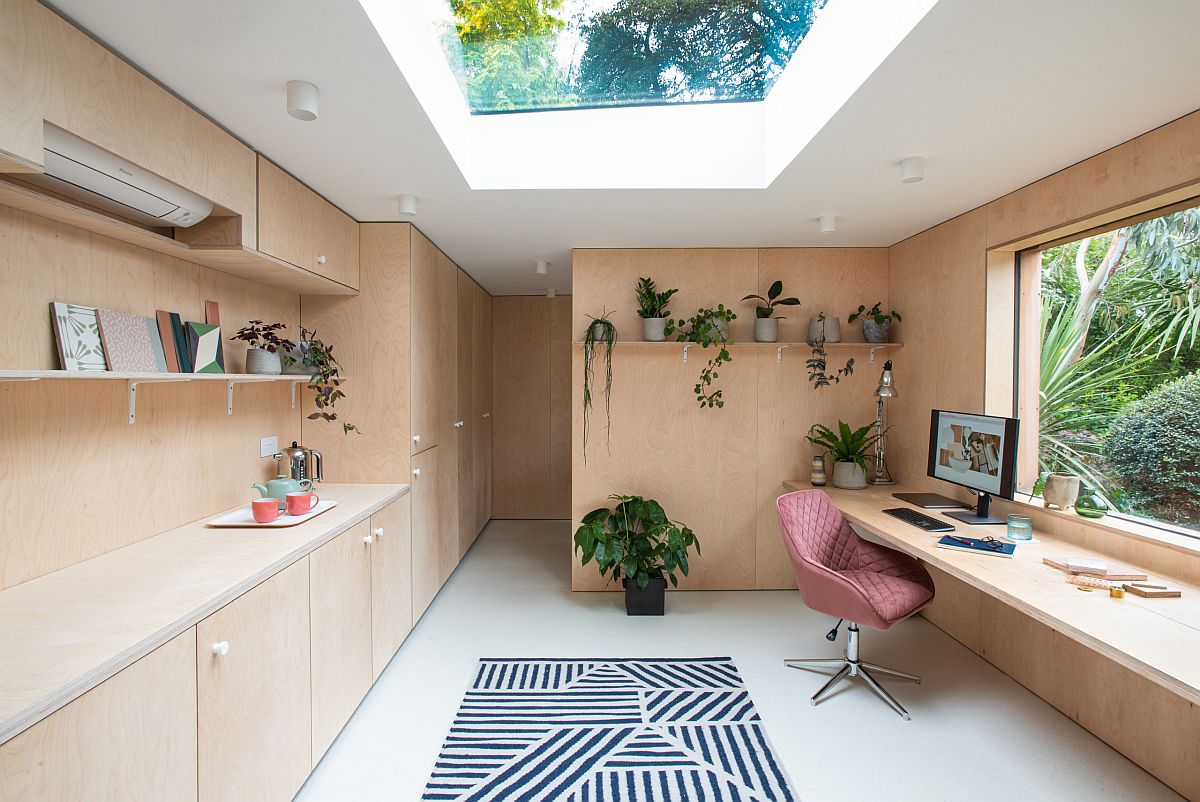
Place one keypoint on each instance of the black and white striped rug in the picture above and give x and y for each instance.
(608, 730)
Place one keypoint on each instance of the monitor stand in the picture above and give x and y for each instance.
(979, 515)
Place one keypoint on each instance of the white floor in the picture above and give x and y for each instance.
(974, 732)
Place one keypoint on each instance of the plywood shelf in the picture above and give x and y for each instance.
(236, 260)
(779, 348)
(134, 379)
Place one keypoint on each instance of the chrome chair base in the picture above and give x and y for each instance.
(850, 666)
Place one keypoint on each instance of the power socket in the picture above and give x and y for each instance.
(268, 446)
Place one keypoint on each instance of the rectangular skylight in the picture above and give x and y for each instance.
(533, 55)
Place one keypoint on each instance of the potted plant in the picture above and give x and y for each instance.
(875, 322)
(637, 543)
(708, 327)
(600, 332)
(652, 309)
(824, 328)
(818, 363)
(325, 381)
(262, 356)
(766, 327)
(850, 450)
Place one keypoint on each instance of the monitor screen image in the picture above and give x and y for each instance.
(975, 451)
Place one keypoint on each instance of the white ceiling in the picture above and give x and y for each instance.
(993, 94)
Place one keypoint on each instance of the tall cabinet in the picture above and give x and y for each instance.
(415, 346)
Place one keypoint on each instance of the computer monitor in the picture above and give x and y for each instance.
(977, 452)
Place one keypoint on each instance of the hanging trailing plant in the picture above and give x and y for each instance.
(325, 381)
(601, 332)
(818, 363)
(708, 327)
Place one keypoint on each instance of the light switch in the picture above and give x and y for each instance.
(268, 446)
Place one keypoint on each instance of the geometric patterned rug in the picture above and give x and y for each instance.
(607, 730)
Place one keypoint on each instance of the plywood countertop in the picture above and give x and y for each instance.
(1157, 638)
(66, 632)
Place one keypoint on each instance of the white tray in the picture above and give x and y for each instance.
(244, 517)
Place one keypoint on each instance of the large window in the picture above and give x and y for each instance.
(1120, 366)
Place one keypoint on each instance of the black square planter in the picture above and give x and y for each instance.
(648, 601)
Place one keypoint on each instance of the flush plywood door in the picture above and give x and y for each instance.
(391, 581)
(425, 336)
(481, 434)
(466, 406)
(447, 345)
(254, 702)
(340, 613)
(298, 226)
(426, 573)
(447, 500)
(129, 739)
(521, 383)
(560, 407)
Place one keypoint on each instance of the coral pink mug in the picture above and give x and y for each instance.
(265, 509)
(301, 503)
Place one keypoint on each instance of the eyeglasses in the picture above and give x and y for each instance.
(991, 543)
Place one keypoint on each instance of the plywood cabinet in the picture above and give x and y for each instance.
(426, 508)
(299, 226)
(425, 336)
(467, 501)
(340, 614)
(129, 739)
(254, 700)
(482, 441)
(391, 581)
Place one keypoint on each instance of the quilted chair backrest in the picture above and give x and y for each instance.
(814, 531)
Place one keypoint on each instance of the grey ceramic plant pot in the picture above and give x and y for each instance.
(831, 327)
(849, 476)
(262, 362)
(652, 329)
(722, 326)
(298, 366)
(766, 329)
(875, 332)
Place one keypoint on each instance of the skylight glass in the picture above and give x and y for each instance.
(532, 55)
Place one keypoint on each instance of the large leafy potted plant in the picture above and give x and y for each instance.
(652, 309)
(766, 327)
(637, 543)
(850, 448)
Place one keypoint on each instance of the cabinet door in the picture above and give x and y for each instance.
(425, 334)
(129, 739)
(254, 702)
(391, 581)
(339, 580)
(481, 439)
(426, 571)
(298, 226)
(466, 405)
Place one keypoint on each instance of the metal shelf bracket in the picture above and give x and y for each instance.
(686, 346)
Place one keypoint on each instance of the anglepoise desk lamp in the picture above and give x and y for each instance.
(885, 390)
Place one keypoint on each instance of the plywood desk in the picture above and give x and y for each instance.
(1157, 638)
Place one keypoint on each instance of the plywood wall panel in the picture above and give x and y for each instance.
(699, 463)
(55, 73)
(832, 281)
(560, 407)
(938, 281)
(183, 459)
(370, 335)
(521, 407)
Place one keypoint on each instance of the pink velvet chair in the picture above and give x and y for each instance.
(856, 580)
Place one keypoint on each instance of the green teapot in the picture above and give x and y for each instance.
(281, 485)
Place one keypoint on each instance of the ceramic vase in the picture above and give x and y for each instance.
(652, 329)
(849, 476)
(1090, 504)
(263, 362)
(818, 472)
(875, 332)
(766, 329)
(1062, 489)
(827, 328)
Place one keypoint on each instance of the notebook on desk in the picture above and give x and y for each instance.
(978, 546)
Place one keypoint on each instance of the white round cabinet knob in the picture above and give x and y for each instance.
(379, 532)
(416, 438)
(416, 471)
(221, 649)
(487, 414)
(368, 539)
(459, 424)
(321, 259)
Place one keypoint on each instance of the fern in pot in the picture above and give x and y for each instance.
(652, 309)
(850, 449)
(637, 544)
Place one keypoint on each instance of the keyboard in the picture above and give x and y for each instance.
(920, 520)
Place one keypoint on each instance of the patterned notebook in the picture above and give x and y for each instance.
(77, 332)
(127, 342)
